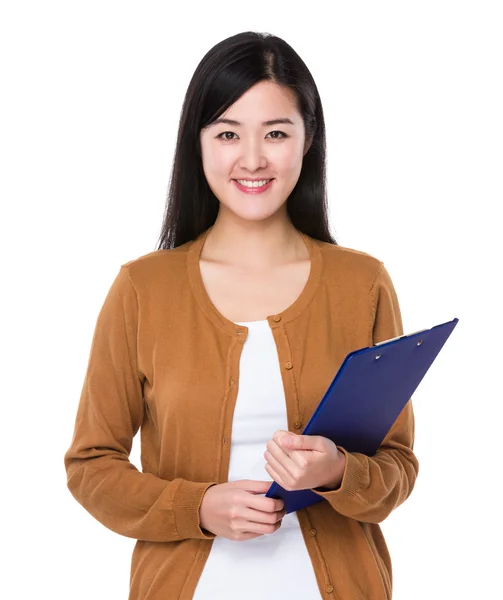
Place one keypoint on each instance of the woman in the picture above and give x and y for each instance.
(222, 341)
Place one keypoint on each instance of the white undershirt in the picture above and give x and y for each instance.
(271, 565)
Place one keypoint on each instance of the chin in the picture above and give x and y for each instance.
(253, 215)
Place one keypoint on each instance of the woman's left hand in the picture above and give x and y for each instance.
(308, 461)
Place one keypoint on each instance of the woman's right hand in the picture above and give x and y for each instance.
(234, 511)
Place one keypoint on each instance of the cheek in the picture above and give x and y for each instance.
(289, 161)
(217, 164)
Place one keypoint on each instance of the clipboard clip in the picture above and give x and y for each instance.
(401, 336)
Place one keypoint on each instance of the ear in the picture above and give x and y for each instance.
(307, 145)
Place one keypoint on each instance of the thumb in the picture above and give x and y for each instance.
(301, 442)
(255, 487)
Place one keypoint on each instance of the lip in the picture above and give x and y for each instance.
(252, 178)
(256, 190)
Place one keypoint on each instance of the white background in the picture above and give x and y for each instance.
(90, 101)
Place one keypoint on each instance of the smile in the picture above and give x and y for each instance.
(253, 187)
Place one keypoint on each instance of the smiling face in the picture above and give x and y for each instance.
(249, 148)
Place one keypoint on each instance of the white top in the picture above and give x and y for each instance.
(273, 565)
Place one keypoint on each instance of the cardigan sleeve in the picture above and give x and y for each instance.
(373, 486)
(99, 473)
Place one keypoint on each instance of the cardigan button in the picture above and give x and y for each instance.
(312, 532)
(288, 365)
(276, 318)
(329, 588)
(297, 424)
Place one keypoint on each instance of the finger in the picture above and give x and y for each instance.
(253, 486)
(291, 461)
(292, 441)
(281, 463)
(259, 516)
(277, 449)
(280, 434)
(296, 442)
(276, 476)
(264, 504)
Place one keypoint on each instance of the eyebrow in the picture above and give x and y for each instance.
(283, 121)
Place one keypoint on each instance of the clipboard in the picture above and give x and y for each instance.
(366, 396)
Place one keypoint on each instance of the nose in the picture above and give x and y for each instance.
(252, 156)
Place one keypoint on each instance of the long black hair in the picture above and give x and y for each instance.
(224, 74)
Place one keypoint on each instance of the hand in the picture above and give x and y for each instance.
(234, 511)
(309, 461)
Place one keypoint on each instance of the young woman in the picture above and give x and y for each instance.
(223, 340)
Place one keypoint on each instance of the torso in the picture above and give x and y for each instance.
(241, 296)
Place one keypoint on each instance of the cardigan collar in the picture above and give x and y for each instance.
(240, 332)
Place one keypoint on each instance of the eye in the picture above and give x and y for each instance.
(223, 136)
(278, 138)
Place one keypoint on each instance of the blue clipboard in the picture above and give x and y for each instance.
(366, 396)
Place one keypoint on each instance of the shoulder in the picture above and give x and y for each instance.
(350, 266)
(158, 266)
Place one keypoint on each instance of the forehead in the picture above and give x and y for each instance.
(266, 103)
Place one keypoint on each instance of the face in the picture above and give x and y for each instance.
(248, 149)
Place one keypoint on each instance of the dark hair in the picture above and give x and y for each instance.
(224, 74)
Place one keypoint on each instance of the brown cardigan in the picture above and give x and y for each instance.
(163, 359)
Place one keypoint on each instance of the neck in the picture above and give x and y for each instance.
(254, 245)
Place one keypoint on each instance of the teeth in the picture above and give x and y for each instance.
(253, 183)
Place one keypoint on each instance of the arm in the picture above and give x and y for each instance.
(110, 412)
(372, 486)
